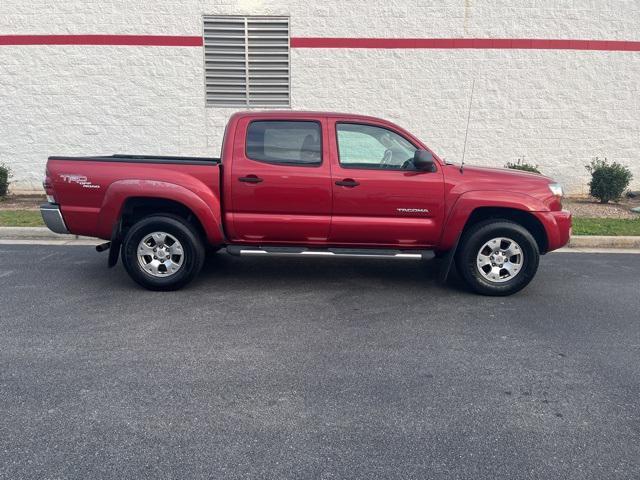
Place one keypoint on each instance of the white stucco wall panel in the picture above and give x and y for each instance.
(74, 100)
(573, 19)
(557, 108)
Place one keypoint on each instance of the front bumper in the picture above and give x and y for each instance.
(557, 224)
(53, 218)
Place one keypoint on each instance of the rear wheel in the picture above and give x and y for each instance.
(162, 252)
(497, 257)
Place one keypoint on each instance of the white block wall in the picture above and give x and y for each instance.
(557, 108)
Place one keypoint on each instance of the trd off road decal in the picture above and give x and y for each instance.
(79, 179)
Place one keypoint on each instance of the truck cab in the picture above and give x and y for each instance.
(332, 180)
(310, 183)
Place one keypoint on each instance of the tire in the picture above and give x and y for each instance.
(144, 267)
(487, 242)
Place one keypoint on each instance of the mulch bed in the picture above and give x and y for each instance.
(589, 208)
(22, 202)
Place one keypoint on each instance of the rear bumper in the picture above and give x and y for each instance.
(557, 226)
(53, 218)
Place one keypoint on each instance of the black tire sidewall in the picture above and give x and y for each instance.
(477, 237)
(181, 230)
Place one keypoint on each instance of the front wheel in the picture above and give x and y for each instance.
(497, 257)
(162, 252)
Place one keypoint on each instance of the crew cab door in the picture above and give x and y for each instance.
(280, 183)
(379, 198)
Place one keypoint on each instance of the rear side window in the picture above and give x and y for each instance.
(285, 142)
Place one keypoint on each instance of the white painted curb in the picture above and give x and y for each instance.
(34, 233)
(41, 236)
(595, 241)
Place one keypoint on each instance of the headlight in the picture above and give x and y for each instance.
(556, 189)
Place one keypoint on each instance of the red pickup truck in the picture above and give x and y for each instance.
(308, 183)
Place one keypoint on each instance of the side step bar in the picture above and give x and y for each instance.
(242, 250)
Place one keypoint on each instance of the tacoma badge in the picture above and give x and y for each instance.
(413, 210)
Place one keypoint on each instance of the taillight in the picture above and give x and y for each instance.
(47, 184)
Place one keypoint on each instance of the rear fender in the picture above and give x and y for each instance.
(204, 205)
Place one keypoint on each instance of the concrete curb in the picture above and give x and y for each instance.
(35, 233)
(41, 236)
(44, 234)
(595, 241)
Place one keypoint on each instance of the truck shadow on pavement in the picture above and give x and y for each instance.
(263, 272)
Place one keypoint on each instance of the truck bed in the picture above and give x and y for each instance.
(93, 191)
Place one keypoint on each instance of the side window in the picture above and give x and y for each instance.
(285, 142)
(366, 146)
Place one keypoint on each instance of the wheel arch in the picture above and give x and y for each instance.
(137, 208)
(132, 199)
(475, 206)
(521, 217)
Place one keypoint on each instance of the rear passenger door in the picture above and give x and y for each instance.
(280, 182)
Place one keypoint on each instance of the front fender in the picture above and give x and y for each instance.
(467, 202)
(204, 204)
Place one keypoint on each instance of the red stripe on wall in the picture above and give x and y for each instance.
(134, 40)
(349, 43)
(454, 43)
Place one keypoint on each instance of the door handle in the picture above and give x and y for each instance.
(250, 179)
(347, 182)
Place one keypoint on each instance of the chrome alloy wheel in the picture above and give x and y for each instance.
(500, 260)
(160, 254)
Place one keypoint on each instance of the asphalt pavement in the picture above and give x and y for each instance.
(317, 368)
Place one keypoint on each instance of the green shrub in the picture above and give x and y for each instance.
(608, 180)
(5, 175)
(522, 165)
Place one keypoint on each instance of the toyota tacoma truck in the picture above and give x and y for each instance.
(308, 183)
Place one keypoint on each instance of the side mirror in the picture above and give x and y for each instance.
(423, 160)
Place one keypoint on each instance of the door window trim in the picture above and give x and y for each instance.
(286, 163)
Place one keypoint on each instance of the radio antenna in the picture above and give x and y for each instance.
(466, 133)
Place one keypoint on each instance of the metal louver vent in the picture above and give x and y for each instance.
(246, 61)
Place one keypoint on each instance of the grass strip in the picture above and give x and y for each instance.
(20, 218)
(606, 226)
